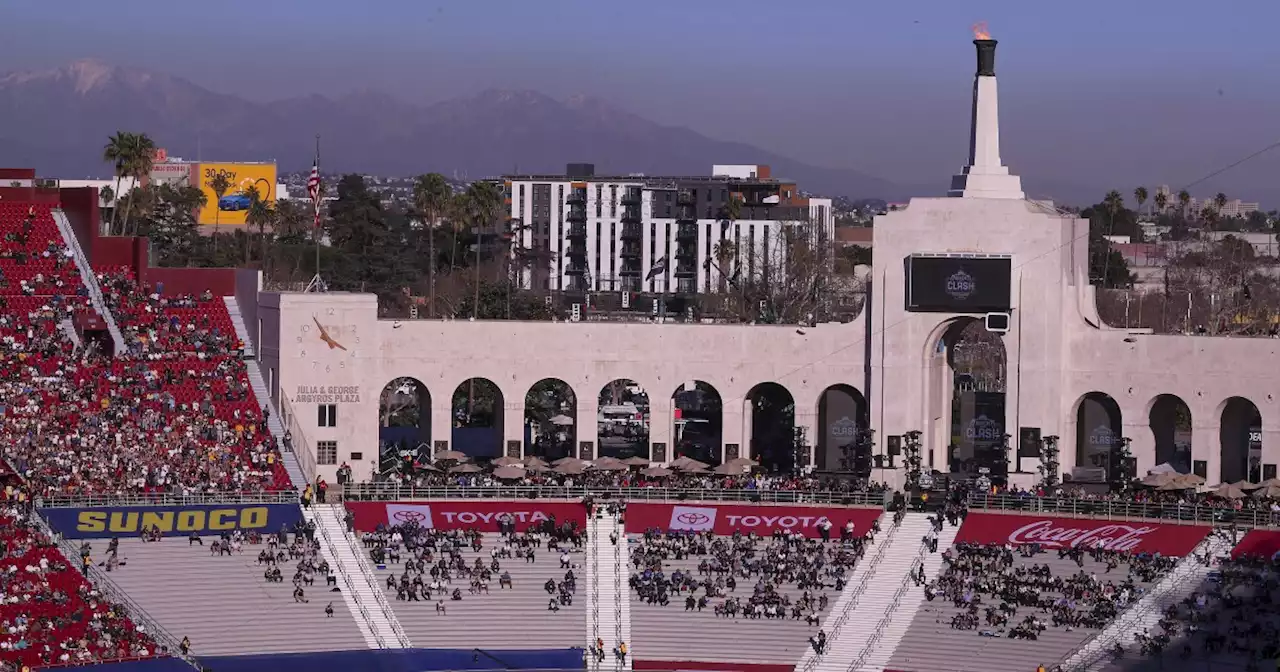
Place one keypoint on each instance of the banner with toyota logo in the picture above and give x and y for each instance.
(1058, 533)
(1265, 543)
(455, 514)
(763, 519)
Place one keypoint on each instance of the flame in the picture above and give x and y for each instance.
(980, 31)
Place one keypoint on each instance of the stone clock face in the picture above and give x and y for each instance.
(326, 343)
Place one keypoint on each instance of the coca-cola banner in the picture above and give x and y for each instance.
(762, 519)
(483, 515)
(1055, 533)
(1259, 542)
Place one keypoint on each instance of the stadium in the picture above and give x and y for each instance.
(193, 469)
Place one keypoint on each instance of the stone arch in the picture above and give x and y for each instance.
(622, 421)
(772, 412)
(404, 424)
(965, 387)
(697, 422)
(1099, 436)
(842, 429)
(550, 419)
(478, 417)
(1171, 425)
(1240, 440)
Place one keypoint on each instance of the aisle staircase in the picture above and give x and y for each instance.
(1145, 614)
(360, 589)
(89, 279)
(242, 330)
(887, 633)
(608, 596)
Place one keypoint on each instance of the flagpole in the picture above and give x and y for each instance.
(317, 283)
(317, 207)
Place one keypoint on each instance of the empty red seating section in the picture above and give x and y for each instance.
(49, 613)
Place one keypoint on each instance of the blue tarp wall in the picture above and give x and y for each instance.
(381, 660)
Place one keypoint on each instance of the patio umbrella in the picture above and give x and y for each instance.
(570, 468)
(430, 467)
(507, 462)
(656, 472)
(565, 460)
(1228, 491)
(1268, 492)
(561, 420)
(509, 472)
(452, 455)
(730, 469)
(743, 461)
(1160, 479)
(534, 461)
(465, 469)
(608, 464)
(1264, 484)
(688, 464)
(537, 468)
(1165, 468)
(636, 461)
(1182, 482)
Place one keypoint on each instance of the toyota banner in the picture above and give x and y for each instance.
(1265, 543)
(482, 515)
(1059, 533)
(762, 519)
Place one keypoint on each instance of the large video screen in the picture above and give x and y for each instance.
(958, 284)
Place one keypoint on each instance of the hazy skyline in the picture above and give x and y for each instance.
(1095, 94)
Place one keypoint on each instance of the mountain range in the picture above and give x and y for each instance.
(58, 121)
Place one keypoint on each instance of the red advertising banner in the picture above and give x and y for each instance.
(1259, 542)
(763, 519)
(1134, 537)
(483, 515)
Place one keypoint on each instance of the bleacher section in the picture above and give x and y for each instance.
(39, 283)
(673, 633)
(515, 617)
(224, 604)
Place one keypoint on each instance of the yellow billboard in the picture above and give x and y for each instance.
(226, 189)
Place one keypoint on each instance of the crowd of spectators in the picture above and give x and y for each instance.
(159, 326)
(1001, 590)
(49, 613)
(787, 576)
(1233, 618)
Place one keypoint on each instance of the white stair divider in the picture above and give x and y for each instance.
(88, 278)
(908, 597)
(360, 589)
(609, 609)
(69, 330)
(621, 588)
(847, 603)
(242, 330)
(1145, 613)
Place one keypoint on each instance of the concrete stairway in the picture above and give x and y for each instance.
(361, 591)
(1146, 612)
(69, 330)
(609, 604)
(89, 279)
(506, 618)
(842, 642)
(223, 603)
(901, 610)
(242, 330)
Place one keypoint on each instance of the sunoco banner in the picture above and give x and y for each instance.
(204, 519)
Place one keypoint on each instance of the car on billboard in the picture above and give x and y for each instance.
(234, 202)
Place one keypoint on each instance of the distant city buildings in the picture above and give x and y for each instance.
(636, 233)
(1232, 208)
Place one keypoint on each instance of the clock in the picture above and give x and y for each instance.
(327, 338)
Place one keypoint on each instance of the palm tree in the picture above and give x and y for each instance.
(260, 213)
(1162, 201)
(431, 195)
(1184, 201)
(484, 202)
(106, 195)
(1140, 195)
(725, 252)
(220, 184)
(1220, 201)
(139, 157)
(456, 210)
(116, 153)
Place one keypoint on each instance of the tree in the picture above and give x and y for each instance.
(1184, 201)
(167, 217)
(1107, 267)
(1220, 201)
(139, 157)
(220, 184)
(116, 153)
(261, 213)
(1162, 201)
(788, 280)
(431, 196)
(107, 195)
(1140, 195)
(482, 205)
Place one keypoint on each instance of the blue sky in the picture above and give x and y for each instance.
(1121, 91)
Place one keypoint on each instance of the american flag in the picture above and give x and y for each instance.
(313, 189)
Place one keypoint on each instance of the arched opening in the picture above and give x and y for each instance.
(774, 443)
(404, 425)
(1241, 441)
(1100, 441)
(844, 437)
(970, 370)
(1170, 420)
(622, 424)
(698, 422)
(550, 419)
(478, 418)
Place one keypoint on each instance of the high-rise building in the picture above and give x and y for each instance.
(637, 233)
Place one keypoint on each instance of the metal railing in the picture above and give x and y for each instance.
(856, 596)
(618, 569)
(164, 499)
(299, 448)
(594, 546)
(878, 631)
(109, 590)
(1090, 508)
(349, 586)
(366, 572)
(386, 492)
